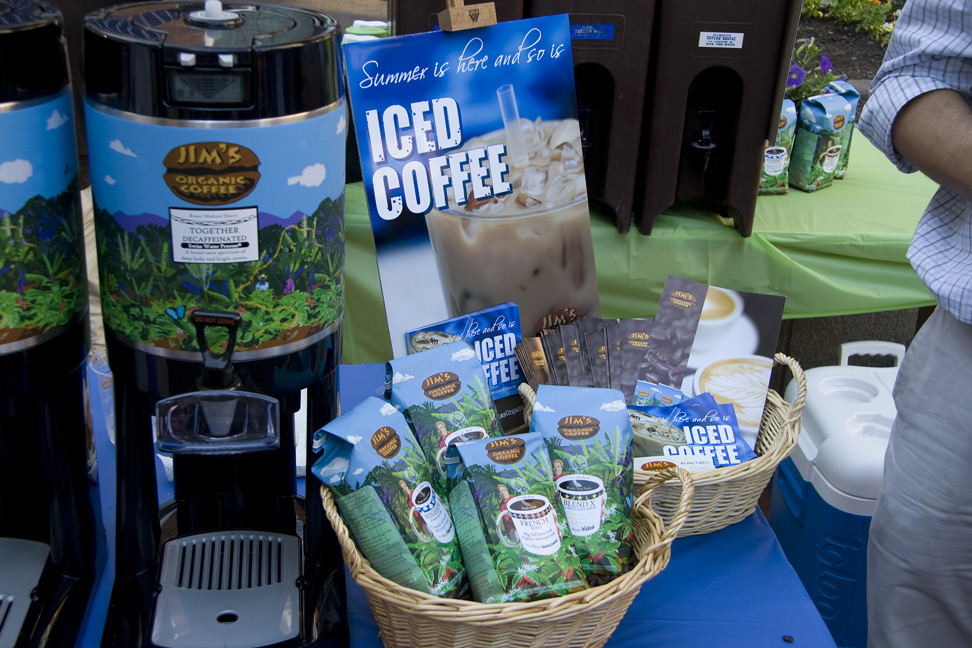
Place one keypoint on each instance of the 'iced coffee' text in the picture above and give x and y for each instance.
(423, 128)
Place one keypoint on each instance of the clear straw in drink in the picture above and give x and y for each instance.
(511, 123)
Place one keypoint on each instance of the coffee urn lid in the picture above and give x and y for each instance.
(33, 57)
(189, 60)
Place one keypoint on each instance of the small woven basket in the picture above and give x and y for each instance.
(725, 496)
(728, 495)
(410, 619)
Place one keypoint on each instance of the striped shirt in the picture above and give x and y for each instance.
(930, 49)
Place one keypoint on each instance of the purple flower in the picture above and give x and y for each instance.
(825, 65)
(795, 77)
(289, 287)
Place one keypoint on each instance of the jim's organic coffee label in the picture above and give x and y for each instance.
(442, 385)
(42, 266)
(444, 394)
(386, 442)
(506, 451)
(578, 427)
(248, 217)
(382, 485)
(211, 173)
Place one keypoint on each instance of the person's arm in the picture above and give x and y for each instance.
(934, 132)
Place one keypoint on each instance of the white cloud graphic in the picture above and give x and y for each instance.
(358, 471)
(540, 407)
(16, 171)
(335, 479)
(341, 125)
(337, 467)
(56, 120)
(354, 439)
(463, 354)
(387, 409)
(614, 406)
(399, 377)
(110, 180)
(116, 146)
(312, 176)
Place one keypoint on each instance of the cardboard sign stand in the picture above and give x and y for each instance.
(458, 17)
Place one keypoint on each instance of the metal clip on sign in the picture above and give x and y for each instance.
(458, 16)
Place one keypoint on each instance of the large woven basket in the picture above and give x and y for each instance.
(728, 495)
(585, 619)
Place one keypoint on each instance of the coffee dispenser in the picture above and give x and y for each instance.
(717, 74)
(48, 540)
(610, 41)
(414, 16)
(216, 137)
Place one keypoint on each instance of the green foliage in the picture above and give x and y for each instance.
(148, 298)
(42, 264)
(875, 17)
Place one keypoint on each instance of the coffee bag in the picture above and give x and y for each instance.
(381, 482)
(817, 149)
(588, 434)
(514, 535)
(444, 394)
(776, 158)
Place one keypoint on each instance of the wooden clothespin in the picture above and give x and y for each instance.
(458, 16)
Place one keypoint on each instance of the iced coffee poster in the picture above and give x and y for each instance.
(472, 164)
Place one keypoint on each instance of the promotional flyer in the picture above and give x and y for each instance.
(472, 162)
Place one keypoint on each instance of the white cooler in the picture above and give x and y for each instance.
(824, 494)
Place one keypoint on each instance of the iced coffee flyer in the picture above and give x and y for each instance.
(473, 169)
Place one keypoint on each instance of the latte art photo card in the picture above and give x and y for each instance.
(716, 340)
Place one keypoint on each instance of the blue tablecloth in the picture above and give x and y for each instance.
(731, 588)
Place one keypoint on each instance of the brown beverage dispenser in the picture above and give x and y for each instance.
(716, 80)
(414, 16)
(610, 42)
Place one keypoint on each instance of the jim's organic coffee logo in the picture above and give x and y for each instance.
(386, 442)
(838, 122)
(442, 385)
(782, 121)
(211, 173)
(507, 450)
(638, 340)
(578, 428)
(683, 299)
(657, 466)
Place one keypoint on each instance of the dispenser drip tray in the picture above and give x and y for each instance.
(21, 565)
(236, 589)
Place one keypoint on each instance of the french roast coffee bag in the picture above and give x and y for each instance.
(515, 540)
(381, 482)
(589, 438)
(444, 394)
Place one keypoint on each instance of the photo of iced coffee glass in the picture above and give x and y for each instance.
(531, 246)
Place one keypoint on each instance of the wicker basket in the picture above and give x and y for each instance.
(408, 618)
(728, 495)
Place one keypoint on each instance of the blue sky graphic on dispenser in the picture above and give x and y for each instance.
(38, 154)
(300, 162)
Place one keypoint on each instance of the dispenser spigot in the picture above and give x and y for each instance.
(704, 146)
(217, 367)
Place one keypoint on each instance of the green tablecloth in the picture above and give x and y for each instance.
(837, 251)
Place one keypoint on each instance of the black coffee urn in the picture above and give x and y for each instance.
(716, 81)
(216, 135)
(610, 42)
(48, 521)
